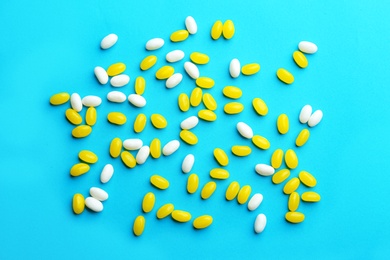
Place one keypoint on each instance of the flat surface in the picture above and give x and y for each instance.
(53, 47)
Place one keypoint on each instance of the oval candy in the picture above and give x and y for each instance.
(293, 201)
(115, 147)
(305, 114)
(285, 76)
(261, 142)
(208, 190)
(91, 116)
(154, 44)
(196, 97)
(216, 30)
(300, 59)
(59, 98)
(128, 159)
(106, 174)
(181, 216)
(245, 130)
(91, 101)
(73, 117)
(189, 123)
(291, 159)
(260, 106)
(116, 118)
(291, 186)
(307, 47)
(158, 121)
(219, 173)
(174, 80)
(165, 72)
(140, 85)
(264, 169)
(148, 202)
(148, 62)
(255, 201)
(280, 176)
(116, 69)
(302, 137)
(159, 182)
(221, 156)
(188, 163)
(307, 179)
(295, 217)
(98, 193)
(108, 41)
(191, 25)
(207, 115)
(233, 108)
(139, 123)
(232, 190)
(234, 68)
(101, 75)
(243, 194)
(192, 183)
(179, 36)
(282, 124)
(191, 69)
(199, 58)
(120, 80)
(155, 148)
(188, 137)
(170, 147)
(310, 196)
(232, 92)
(174, 56)
(205, 82)
(139, 225)
(241, 150)
(75, 102)
(315, 118)
(81, 131)
(78, 203)
(143, 154)
(93, 204)
(184, 102)
(88, 156)
(202, 222)
(228, 29)
(260, 223)
(165, 210)
(116, 97)
(277, 158)
(250, 69)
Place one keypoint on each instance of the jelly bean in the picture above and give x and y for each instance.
(139, 225)
(285, 76)
(310, 196)
(101, 75)
(241, 150)
(91, 116)
(234, 68)
(291, 186)
(188, 163)
(148, 62)
(205, 82)
(305, 114)
(207, 115)
(115, 147)
(293, 201)
(116, 69)
(188, 137)
(209, 101)
(221, 156)
(88, 156)
(250, 69)
(148, 202)
(98, 193)
(264, 169)
(120, 80)
(191, 69)
(255, 201)
(233, 108)
(154, 44)
(165, 210)
(191, 25)
(155, 148)
(260, 223)
(158, 121)
(199, 58)
(140, 85)
(181, 216)
(139, 123)
(128, 159)
(202, 222)
(159, 182)
(116, 118)
(179, 36)
(174, 80)
(196, 97)
(73, 117)
(302, 137)
(59, 98)
(116, 97)
(232, 92)
(75, 102)
(307, 179)
(280, 176)
(91, 101)
(143, 154)
(184, 102)
(261, 142)
(208, 190)
(78, 203)
(277, 158)
(108, 41)
(291, 159)
(243, 194)
(216, 30)
(260, 106)
(218, 173)
(93, 204)
(81, 131)
(232, 190)
(174, 56)
(192, 183)
(189, 122)
(106, 174)
(315, 118)
(282, 124)
(228, 29)
(307, 47)
(295, 217)
(132, 144)
(137, 100)
(165, 72)
(300, 59)
(244, 130)
(170, 147)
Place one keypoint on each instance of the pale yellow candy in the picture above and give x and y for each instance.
(165, 210)
(207, 115)
(188, 137)
(250, 69)
(196, 97)
(91, 116)
(205, 82)
(184, 102)
(81, 131)
(158, 121)
(243, 194)
(307, 179)
(280, 176)
(300, 59)
(116, 118)
(116, 69)
(233, 108)
(59, 98)
(139, 123)
(73, 117)
(165, 72)
(199, 58)
(78, 203)
(208, 190)
(261, 142)
(192, 183)
(228, 29)
(285, 76)
(241, 150)
(232, 190)
(181, 216)
(88, 156)
(277, 158)
(291, 186)
(260, 106)
(310, 196)
(218, 173)
(139, 225)
(216, 30)
(128, 159)
(159, 182)
(79, 169)
(202, 221)
(115, 147)
(302, 137)
(148, 202)
(291, 159)
(139, 85)
(282, 124)
(295, 217)
(293, 201)
(148, 62)
(232, 92)
(179, 35)
(155, 148)
(221, 156)
(209, 101)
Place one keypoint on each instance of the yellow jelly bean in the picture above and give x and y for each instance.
(202, 221)
(184, 102)
(159, 182)
(218, 173)
(196, 97)
(139, 123)
(209, 101)
(233, 108)
(250, 69)
(139, 225)
(291, 159)
(216, 30)
(116, 69)
(165, 210)
(302, 137)
(295, 217)
(88, 156)
(188, 137)
(311, 196)
(282, 124)
(208, 190)
(241, 150)
(205, 82)
(179, 36)
(128, 159)
(78, 203)
(91, 116)
(232, 190)
(181, 215)
(232, 92)
(73, 117)
(165, 72)
(293, 201)
(280, 176)
(192, 183)
(199, 58)
(115, 147)
(207, 115)
(277, 158)
(79, 169)
(148, 202)
(307, 179)
(155, 148)
(221, 156)
(228, 29)
(116, 118)
(139, 85)
(285, 76)
(260, 106)
(81, 131)
(148, 62)
(291, 186)
(59, 98)
(300, 59)
(261, 142)
(158, 121)
(243, 194)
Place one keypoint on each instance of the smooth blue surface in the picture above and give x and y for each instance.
(49, 48)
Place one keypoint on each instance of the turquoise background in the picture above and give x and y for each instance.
(47, 48)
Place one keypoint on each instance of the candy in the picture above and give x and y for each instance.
(148, 62)
(158, 121)
(277, 158)
(143, 154)
(260, 223)
(165, 210)
(116, 97)
(205, 82)
(115, 147)
(188, 163)
(261, 142)
(148, 202)
(191, 69)
(264, 169)
(250, 69)
(184, 102)
(216, 30)
(228, 29)
(202, 221)
(189, 122)
(119, 80)
(165, 72)
(179, 36)
(181, 216)
(81, 131)
(106, 174)
(234, 68)
(315, 118)
(282, 124)
(154, 44)
(98, 193)
(219, 173)
(208, 190)
(139, 123)
(101, 75)
(91, 101)
(302, 137)
(295, 217)
(300, 59)
(209, 101)
(196, 97)
(75, 102)
(245, 130)
(232, 190)
(207, 115)
(116, 118)
(140, 85)
(291, 159)
(310, 196)
(191, 25)
(291, 186)
(88, 156)
(307, 179)
(93, 204)
(139, 225)
(174, 80)
(233, 108)
(255, 201)
(155, 148)
(221, 156)
(293, 201)
(91, 116)
(128, 159)
(116, 69)
(108, 41)
(232, 92)
(174, 56)
(78, 203)
(192, 183)
(243, 194)
(280, 176)
(307, 47)
(199, 58)
(305, 114)
(260, 106)
(59, 98)
(159, 182)
(137, 100)
(73, 117)
(170, 147)
(285, 76)
(241, 150)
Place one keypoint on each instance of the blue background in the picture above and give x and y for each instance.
(47, 48)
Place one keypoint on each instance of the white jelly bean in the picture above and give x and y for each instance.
(170, 147)
(116, 97)
(91, 101)
(264, 169)
(260, 223)
(305, 114)
(108, 41)
(255, 201)
(174, 80)
(107, 173)
(137, 100)
(245, 130)
(120, 80)
(315, 118)
(174, 56)
(191, 25)
(154, 44)
(191, 69)
(133, 144)
(101, 75)
(75, 102)
(188, 162)
(98, 193)
(93, 204)
(235, 68)
(142, 154)
(307, 47)
(189, 122)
